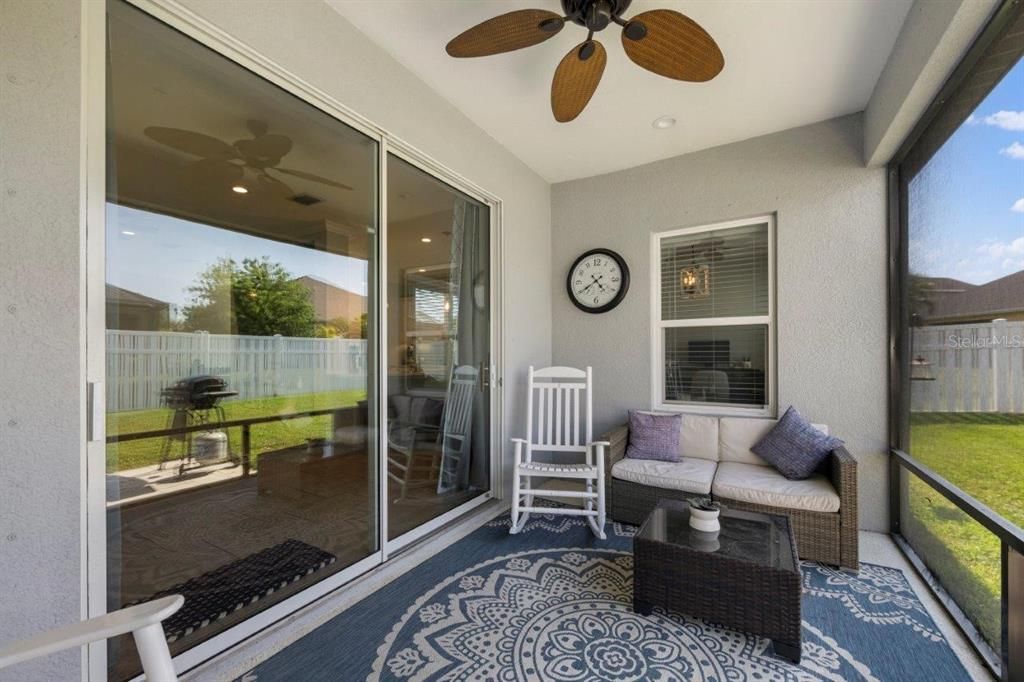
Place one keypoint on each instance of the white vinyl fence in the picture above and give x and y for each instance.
(975, 368)
(141, 364)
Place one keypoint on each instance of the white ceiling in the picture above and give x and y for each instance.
(787, 63)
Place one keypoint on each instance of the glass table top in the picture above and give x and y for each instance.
(756, 538)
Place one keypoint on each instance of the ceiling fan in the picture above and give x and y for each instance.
(662, 41)
(223, 163)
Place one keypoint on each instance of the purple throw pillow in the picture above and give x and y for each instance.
(794, 447)
(654, 436)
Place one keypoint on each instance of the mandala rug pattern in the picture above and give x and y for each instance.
(555, 604)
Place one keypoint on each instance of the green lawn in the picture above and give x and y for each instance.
(265, 437)
(981, 454)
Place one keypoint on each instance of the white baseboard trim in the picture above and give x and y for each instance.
(248, 654)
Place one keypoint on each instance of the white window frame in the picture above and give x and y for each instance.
(658, 325)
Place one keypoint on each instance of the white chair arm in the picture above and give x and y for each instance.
(602, 443)
(520, 446)
(113, 624)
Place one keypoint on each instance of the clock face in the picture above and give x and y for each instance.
(598, 281)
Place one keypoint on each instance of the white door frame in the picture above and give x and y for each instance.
(423, 162)
(93, 512)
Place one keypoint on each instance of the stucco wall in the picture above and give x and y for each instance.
(41, 313)
(831, 275)
(41, 347)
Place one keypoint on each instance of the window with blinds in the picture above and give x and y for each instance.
(714, 338)
(431, 311)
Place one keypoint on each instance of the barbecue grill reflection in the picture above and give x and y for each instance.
(193, 423)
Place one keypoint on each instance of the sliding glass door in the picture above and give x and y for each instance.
(241, 251)
(438, 347)
(294, 387)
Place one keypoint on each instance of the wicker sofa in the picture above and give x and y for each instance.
(716, 460)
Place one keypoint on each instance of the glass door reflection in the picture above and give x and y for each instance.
(242, 461)
(438, 347)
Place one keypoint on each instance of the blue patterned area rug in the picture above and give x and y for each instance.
(553, 603)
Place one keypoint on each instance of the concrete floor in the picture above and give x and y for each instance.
(878, 548)
(130, 486)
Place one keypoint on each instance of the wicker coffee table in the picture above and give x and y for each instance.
(746, 577)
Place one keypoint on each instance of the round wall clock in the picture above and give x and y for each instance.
(598, 281)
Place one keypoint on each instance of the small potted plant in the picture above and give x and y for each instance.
(704, 514)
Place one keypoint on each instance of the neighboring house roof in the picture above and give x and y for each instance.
(323, 282)
(121, 296)
(332, 301)
(955, 301)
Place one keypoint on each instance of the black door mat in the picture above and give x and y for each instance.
(212, 596)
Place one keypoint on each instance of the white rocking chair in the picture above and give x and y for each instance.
(144, 621)
(560, 428)
(446, 445)
(457, 427)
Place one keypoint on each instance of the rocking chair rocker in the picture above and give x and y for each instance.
(561, 429)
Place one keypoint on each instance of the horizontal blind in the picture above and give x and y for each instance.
(718, 273)
(429, 306)
(434, 303)
(724, 365)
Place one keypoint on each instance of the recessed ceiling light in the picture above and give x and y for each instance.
(425, 240)
(240, 189)
(664, 122)
(127, 233)
(422, 270)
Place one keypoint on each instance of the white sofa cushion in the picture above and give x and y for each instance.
(691, 474)
(738, 434)
(766, 486)
(699, 437)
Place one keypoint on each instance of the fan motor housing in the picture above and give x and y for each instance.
(578, 11)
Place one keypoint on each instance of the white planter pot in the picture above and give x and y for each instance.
(704, 520)
(704, 542)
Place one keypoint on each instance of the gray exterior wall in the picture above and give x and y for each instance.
(41, 326)
(42, 342)
(830, 266)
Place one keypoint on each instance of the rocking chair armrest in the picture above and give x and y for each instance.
(519, 446)
(418, 429)
(420, 433)
(599, 454)
(130, 619)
